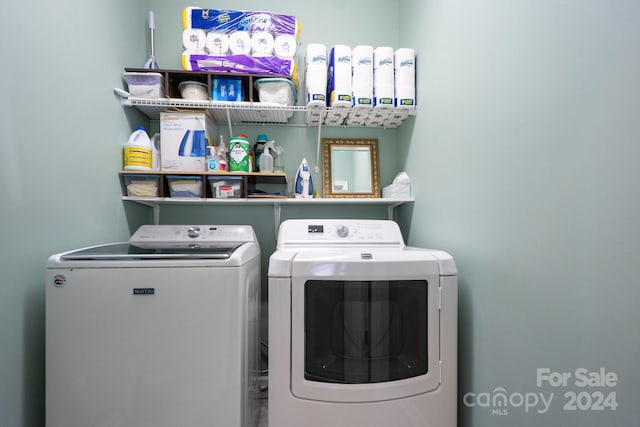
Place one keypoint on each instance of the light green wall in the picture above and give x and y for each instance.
(62, 130)
(525, 152)
(522, 159)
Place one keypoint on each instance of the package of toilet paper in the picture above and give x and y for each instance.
(227, 21)
(267, 65)
(256, 42)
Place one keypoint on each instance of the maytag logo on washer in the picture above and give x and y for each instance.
(144, 291)
(59, 280)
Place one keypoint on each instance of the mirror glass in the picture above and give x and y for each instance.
(350, 168)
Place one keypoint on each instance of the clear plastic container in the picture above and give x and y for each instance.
(139, 185)
(226, 187)
(144, 85)
(276, 90)
(185, 185)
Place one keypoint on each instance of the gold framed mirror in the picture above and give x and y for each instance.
(350, 167)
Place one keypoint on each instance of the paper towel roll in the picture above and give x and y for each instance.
(383, 77)
(316, 74)
(285, 46)
(404, 57)
(340, 76)
(316, 53)
(405, 78)
(217, 43)
(362, 78)
(405, 97)
(240, 43)
(384, 95)
(404, 63)
(362, 88)
(262, 43)
(383, 57)
(194, 39)
(362, 56)
(316, 83)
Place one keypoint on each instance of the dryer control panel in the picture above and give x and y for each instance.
(336, 231)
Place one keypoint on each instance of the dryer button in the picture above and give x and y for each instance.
(342, 231)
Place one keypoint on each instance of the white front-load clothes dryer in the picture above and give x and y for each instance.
(362, 329)
(158, 331)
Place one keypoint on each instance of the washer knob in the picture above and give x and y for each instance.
(193, 232)
(342, 230)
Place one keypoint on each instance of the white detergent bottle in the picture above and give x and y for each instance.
(138, 153)
(266, 159)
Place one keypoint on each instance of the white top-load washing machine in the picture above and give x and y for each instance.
(362, 329)
(159, 331)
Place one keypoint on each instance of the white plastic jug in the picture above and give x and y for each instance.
(138, 151)
(155, 151)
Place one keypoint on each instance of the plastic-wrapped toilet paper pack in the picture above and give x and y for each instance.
(257, 42)
(262, 43)
(239, 64)
(240, 43)
(285, 46)
(227, 21)
(217, 43)
(194, 39)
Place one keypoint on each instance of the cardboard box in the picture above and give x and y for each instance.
(183, 141)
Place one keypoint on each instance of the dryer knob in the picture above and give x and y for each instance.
(343, 231)
(193, 231)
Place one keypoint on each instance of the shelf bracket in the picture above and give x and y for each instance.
(156, 214)
(390, 209)
(317, 168)
(229, 124)
(277, 209)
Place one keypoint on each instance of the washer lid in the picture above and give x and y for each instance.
(129, 251)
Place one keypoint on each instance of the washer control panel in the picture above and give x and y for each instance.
(192, 233)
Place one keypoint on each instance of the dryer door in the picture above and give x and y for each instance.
(364, 330)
